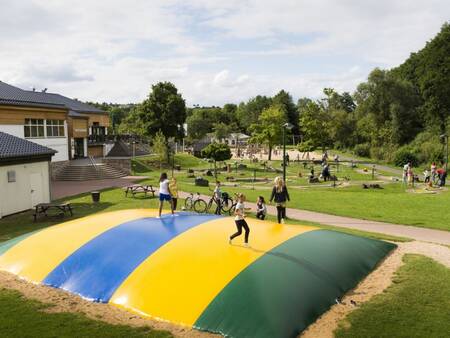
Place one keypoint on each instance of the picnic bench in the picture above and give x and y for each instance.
(139, 189)
(42, 208)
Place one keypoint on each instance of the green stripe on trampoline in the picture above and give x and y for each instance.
(5, 246)
(289, 287)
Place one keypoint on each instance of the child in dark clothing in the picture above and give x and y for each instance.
(261, 209)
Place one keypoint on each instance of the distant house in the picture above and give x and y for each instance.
(235, 138)
(72, 128)
(24, 174)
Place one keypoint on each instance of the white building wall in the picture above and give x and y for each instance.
(19, 193)
(60, 144)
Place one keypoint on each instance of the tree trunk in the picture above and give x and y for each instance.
(215, 170)
(270, 152)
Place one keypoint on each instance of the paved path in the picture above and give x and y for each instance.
(416, 233)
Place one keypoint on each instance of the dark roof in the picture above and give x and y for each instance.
(15, 147)
(76, 115)
(14, 95)
(122, 149)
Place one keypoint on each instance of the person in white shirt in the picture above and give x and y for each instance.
(164, 192)
(406, 168)
(240, 220)
(218, 197)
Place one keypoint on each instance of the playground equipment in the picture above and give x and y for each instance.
(182, 269)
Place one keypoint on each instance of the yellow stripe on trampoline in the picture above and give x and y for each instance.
(36, 256)
(178, 281)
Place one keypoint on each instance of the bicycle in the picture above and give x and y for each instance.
(190, 201)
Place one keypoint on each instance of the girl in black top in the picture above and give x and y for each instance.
(280, 195)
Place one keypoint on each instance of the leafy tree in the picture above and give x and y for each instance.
(314, 124)
(248, 113)
(429, 72)
(268, 130)
(201, 121)
(160, 148)
(223, 130)
(217, 152)
(164, 110)
(284, 99)
(132, 124)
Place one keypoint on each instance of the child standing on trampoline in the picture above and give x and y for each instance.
(240, 220)
(164, 193)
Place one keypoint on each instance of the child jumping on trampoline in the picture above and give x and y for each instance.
(164, 193)
(240, 220)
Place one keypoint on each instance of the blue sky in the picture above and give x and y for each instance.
(214, 51)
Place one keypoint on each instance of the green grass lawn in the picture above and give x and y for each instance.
(417, 304)
(390, 204)
(21, 317)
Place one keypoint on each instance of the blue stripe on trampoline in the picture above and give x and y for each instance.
(100, 266)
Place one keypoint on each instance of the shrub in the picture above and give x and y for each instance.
(362, 150)
(404, 155)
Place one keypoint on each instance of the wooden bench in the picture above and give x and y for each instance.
(42, 208)
(139, 189)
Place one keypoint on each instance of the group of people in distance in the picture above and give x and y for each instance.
(168, 192)
(434, 176)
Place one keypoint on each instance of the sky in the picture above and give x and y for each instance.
(215, 52)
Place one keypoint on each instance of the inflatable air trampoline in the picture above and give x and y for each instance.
(182, 269)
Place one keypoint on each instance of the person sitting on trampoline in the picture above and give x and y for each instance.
(240, 220)
(164, 193)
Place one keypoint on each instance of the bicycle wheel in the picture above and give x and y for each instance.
(227, 204)
(232, 209)
(188, 203)
(200, 206)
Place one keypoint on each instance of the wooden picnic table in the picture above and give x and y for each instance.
(42, 208)
(139, 188)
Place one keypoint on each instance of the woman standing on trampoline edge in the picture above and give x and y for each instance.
(164, 193)
(240, 220)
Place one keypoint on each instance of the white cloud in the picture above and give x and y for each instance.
(115, 50)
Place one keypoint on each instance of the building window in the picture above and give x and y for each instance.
(34, 128)
(55, 128)
(97, 130)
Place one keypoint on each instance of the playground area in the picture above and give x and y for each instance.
(181, 269)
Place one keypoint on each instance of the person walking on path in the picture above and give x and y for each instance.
(261, 208)
(173, 189)
(433, 169)
(164, 192)
(280, 195)
(240, 220)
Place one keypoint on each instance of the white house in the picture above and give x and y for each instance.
(24, 174)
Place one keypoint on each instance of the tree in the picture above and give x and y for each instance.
(222, 130)
(217, 152)
(429, 72)
(284, 99)
(269, 128)
(160, 148)
(248, 113)
(132, 124)
(164, 110)
(314, 124)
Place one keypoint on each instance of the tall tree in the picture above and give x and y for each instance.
(248, 113)
(284, 99)
(269, 128)
(314, 124)
(164, 110)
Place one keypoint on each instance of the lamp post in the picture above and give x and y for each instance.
(286, 126)
(445, 137)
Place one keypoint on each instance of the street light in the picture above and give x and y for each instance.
(286, 126)
(445, 137)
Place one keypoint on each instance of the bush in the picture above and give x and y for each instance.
(404, 155)
(362, 150)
